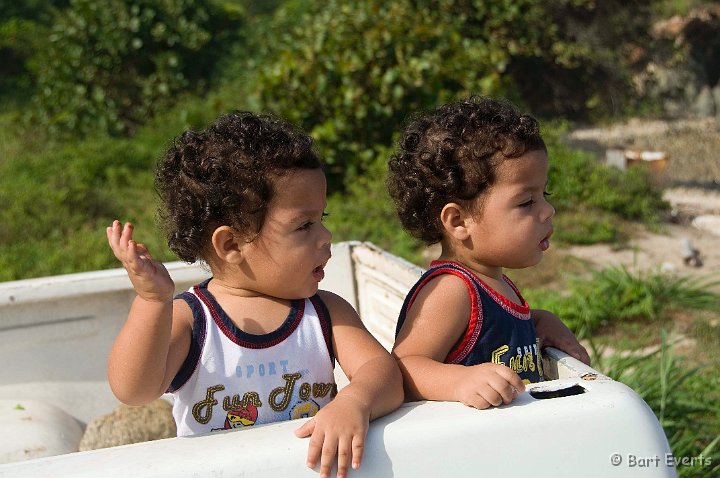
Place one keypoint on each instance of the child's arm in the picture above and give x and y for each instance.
(155, 339)
(434, 323)
(552, 332)
(375, 389)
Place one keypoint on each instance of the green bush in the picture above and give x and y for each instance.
(109, 66)
(593, 200)
(365, 212)
(23, 26)
(350, 72)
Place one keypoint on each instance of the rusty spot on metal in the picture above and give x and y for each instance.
(589, 376)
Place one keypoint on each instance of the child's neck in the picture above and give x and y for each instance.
(491, 275)
(251, 311)
(484, 271)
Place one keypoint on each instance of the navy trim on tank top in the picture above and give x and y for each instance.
(325, 323)
(244, 339)
(197, 342)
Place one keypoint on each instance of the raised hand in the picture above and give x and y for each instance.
(149, 277)
(489, 385)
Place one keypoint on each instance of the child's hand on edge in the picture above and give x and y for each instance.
(149, 277)
(552, 332)
(337, 429)
(489, 385)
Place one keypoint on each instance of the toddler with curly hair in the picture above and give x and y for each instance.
(472, 175)
(256, 343)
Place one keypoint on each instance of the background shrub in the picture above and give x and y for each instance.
(110, 66)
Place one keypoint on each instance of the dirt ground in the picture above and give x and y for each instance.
(692, 181)
(667, 248)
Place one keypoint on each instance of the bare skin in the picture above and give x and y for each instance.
(253, 290)
(512, 229)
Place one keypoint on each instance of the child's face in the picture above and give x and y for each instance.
(514, 225)
(287, 257)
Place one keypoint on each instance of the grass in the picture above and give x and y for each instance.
(618, 294)
(685, 399)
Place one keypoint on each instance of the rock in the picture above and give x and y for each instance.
(704, 103)
(35, 429)
(709, 223)
(127, 424)
(690, 255)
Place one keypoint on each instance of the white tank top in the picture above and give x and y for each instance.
(232, 379)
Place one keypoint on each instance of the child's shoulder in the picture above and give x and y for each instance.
(444, 289)
(334, 302)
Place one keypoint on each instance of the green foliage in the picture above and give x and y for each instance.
(365, 212)
(585, 60)
(684, 399)
(109, 66)
(59, 200)
(23, 25)
(616, 294)
(350, 72)
(592, 199)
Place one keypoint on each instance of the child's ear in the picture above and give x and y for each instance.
(228, 244)
(454, 219)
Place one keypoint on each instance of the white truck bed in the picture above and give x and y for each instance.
(56, 332)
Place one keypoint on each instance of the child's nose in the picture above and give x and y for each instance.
(549, 210)
(326, 236)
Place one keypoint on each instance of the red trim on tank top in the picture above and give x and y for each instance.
(521, 311)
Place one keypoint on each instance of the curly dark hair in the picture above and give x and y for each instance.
(451, 155)
(223, 176)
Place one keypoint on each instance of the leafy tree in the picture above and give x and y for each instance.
(587, 51)
(22, 26)
(351, 72)
(108, 66)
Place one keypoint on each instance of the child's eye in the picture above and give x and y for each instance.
(528, 203)
(306, 226)
(324, 215)
(546, 194)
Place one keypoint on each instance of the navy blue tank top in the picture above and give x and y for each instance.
(499, 330)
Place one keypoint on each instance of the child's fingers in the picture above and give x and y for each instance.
(580, 353)
(142, 251)
(511, 377)
(306, 429)
(344, 452)
(317, 440)
(126, 235)
(113, 234)
(358, 449)
(327, 456)
(477, 401)
(492, 395)
(133, 259)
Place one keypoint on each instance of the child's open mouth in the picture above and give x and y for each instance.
(318, 273)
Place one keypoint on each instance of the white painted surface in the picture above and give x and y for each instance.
(569, 436)
(35, 429)
(55, 334)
